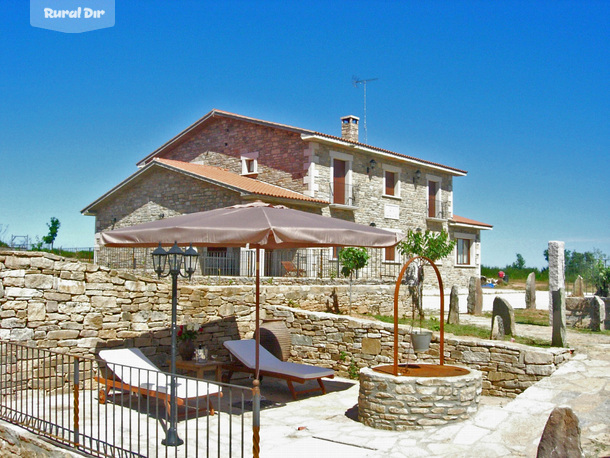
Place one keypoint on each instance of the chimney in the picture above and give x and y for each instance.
(349, 128)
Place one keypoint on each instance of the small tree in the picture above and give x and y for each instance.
(53, 229)
(602, 282)
(519, 263)
(3, 230)
(352, 259)
(432, 245)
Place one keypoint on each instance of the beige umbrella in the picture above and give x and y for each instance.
(257, 225)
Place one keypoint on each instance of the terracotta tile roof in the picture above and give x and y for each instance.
(233, 180)
(216, 112)
(461, 220)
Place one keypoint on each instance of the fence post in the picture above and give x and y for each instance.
(76, 403)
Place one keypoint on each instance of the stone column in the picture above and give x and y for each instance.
(454, 307)
(530, 291)
(579, 288)
(598, 314)
(475, 296)
(557, 296)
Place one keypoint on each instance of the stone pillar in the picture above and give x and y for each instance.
(557, 294)
(598, 314)
(579, 287)
(530, 291)
(475, 296)
(505, 311)
(454, 307)
(561, 435)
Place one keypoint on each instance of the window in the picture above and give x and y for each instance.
(463, 251)
(391, 182)
(249, 164)
(390, 254)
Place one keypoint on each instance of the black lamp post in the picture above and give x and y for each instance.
(176, 258)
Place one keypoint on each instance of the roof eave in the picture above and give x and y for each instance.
(471, 226)
(373, 150)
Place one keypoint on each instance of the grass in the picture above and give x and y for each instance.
(525, 316)
(471, 330)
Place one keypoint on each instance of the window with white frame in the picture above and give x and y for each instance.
(391, 181)
(249, 163)
(464, 248)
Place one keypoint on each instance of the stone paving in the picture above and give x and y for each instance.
(326, 425)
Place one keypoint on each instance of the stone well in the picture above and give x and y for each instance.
(405, 402)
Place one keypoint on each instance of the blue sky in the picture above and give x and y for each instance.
(517, 93)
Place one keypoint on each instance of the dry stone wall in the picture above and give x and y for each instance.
(49, 302)
(349, 344)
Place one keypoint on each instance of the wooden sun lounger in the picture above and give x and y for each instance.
(243, 352)
(130, 370)
(292, 270)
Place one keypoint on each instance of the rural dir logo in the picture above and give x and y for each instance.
(72, 16)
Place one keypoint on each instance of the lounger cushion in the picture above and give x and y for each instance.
(133, 368)
(244, 351)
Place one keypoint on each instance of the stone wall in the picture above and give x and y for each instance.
(348, 344)
(78, 307)
(71, 307)
(16, 441)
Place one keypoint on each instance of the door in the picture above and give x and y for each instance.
(339, 169)
(432, 189)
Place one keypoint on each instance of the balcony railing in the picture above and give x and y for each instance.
(345, 195)
(438, 209)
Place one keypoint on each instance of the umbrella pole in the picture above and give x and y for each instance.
(256, 392)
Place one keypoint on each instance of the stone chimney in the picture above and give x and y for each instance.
(349, 128)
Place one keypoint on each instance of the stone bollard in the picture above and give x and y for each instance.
(557, 296)
(598, 314)
(530, 292)
(504, 310)
(561, 435)
(579, 287)
(454, 307)
(475, 296)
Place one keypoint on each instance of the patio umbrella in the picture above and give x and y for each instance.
(257, 225)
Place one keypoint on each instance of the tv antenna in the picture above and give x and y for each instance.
(356, 81)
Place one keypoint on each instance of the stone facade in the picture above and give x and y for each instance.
(285, 159)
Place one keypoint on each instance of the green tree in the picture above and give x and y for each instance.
(53, 226)
(432, 245)
(352, 259)
(519, 263)
(602, 280)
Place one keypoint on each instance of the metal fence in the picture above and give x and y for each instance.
(57, 396)
(307, 263)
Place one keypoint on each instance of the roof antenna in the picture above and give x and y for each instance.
(356, 81)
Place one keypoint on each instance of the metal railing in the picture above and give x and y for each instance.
(318, 263)
(438, 209)
(347, 195)
(59, 397)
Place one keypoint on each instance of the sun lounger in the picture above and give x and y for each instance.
(243, 352)
(130, 370)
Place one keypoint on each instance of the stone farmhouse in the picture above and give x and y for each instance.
(226, 159)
